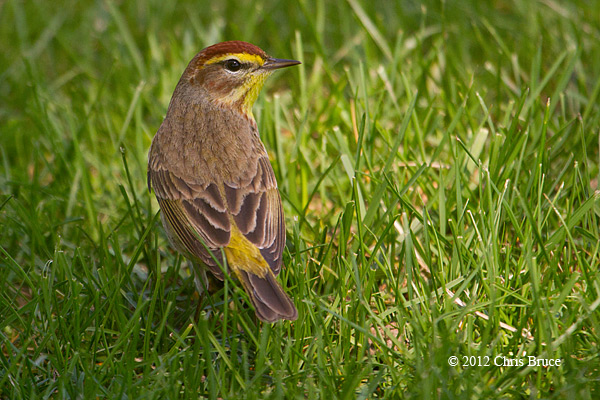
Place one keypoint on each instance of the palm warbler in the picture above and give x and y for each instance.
(213, 180)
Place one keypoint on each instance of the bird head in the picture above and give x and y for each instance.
(232, 73)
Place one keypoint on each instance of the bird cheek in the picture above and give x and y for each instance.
(224, 88)
(218, 88)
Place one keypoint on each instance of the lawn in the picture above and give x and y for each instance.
(438, 164)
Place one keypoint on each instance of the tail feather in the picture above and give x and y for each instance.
(270, 302)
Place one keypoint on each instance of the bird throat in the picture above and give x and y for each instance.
(244, 97)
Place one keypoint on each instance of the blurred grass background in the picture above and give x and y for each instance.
(439, 168)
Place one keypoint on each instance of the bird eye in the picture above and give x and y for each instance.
(232, 65)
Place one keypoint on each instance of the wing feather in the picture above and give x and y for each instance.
(195, 210)
(258, 213)
(196, 214)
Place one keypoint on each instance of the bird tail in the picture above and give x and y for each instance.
(270, 302)
(267, 296)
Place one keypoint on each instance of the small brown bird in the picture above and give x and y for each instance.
(212, 177)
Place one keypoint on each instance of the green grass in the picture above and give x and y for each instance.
(439, 166)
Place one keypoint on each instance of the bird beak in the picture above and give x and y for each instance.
(276, 63)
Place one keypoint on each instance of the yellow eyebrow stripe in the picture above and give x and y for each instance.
(242, 57)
